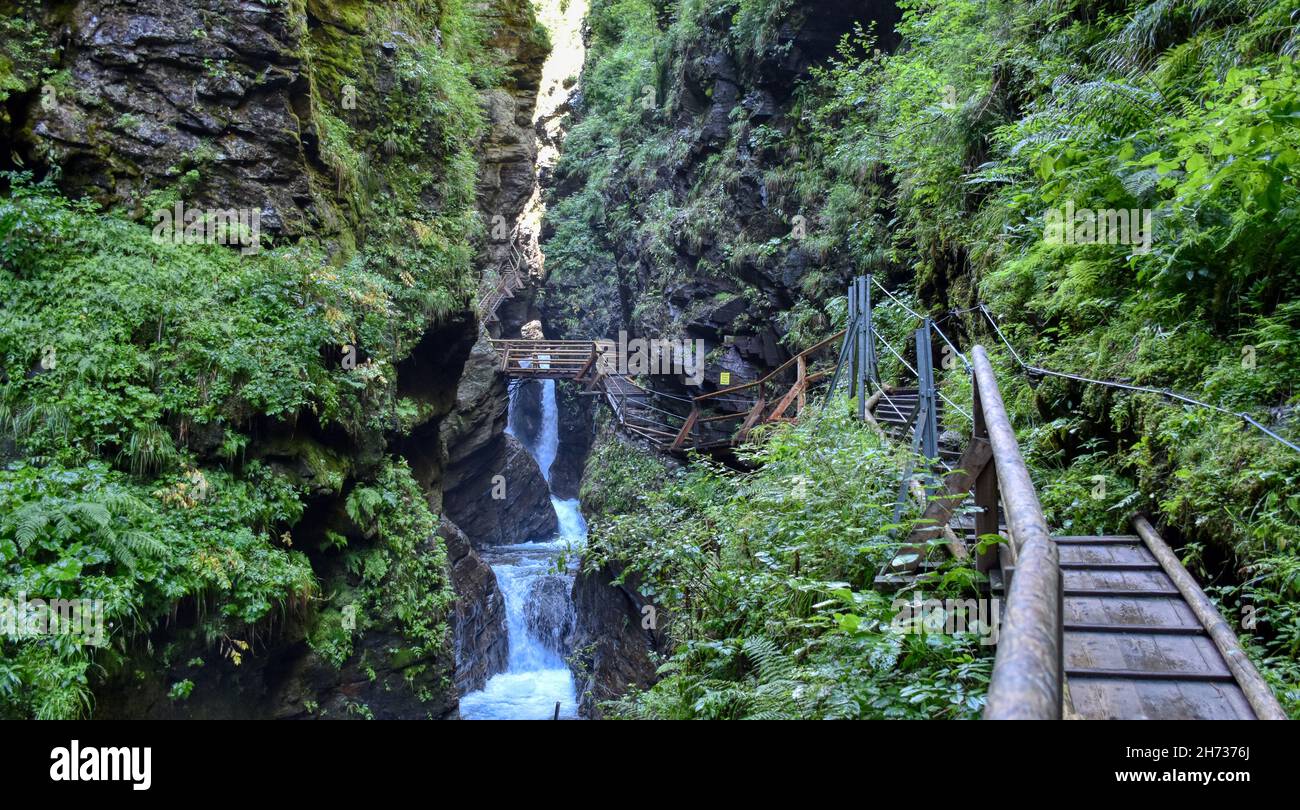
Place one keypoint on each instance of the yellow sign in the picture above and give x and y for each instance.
(724, 378)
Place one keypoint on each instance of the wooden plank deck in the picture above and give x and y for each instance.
(1134, 648)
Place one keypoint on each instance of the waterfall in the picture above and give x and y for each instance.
(539, 609)
(548, 442)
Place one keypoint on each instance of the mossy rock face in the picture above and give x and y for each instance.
(231, 362)
(335, 48)
(316, 467)
(27, 54)
(349, 15)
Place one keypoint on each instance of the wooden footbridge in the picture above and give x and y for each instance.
(674, 423)
(1094, 627)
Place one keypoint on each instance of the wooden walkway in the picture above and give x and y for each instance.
(1094, 627)
(546, 359)
(510, 280)
(1110, 627)
(1134, 646)
(712, 421)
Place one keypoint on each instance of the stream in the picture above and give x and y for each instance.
(537, 581)
(536, 578)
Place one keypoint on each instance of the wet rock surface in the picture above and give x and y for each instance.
(550, 614)
(513, 508)
(479, 626)
(577, 434)
(614, 638)
(147, 100)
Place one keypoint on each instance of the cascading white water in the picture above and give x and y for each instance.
(548, 439)
(537, 602)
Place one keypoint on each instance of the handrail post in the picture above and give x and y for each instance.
(687, 428)
(852, 338)
(986, 492)
(927, 422)
(864, 351)
(801, 380)
(873, 372)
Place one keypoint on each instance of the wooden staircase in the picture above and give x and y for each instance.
(895, 412)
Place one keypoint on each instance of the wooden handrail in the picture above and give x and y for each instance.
(1258, 694)
(779, 369)
(1027, 682)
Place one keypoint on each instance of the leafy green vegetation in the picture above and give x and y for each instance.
(993, 115)
(25, 50)
(765, 581)
(141, 381)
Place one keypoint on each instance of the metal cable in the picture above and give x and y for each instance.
(898, 301)
(1164, 392)
(961, 356)
(955, 406)
(895, 352)
(884, 395)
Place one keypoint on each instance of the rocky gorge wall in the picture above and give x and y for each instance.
(668, 212)
(324, 118)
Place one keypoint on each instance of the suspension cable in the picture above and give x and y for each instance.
(894, 352)
(956, 351)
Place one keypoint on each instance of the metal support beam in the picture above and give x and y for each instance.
(862, 357)
(873, 371)
(852, 338)
(927, 423)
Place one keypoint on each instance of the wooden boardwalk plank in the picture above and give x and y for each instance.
(1150, 611)
(1102, 699)
(1156, 654)
(1131, 654)
(1109, 581)
(1106, 554)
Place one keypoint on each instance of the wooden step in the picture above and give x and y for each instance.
(1091, 540)
(1111, 566)
(1140, 656)
(1102, 580)
(1118, 698)
(1105, 554)
(1137, 611)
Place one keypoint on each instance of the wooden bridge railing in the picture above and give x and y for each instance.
(768, 399)
(546, 359)
(510, 279)
(1028, 676)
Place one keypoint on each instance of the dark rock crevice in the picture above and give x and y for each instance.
(617, 635)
